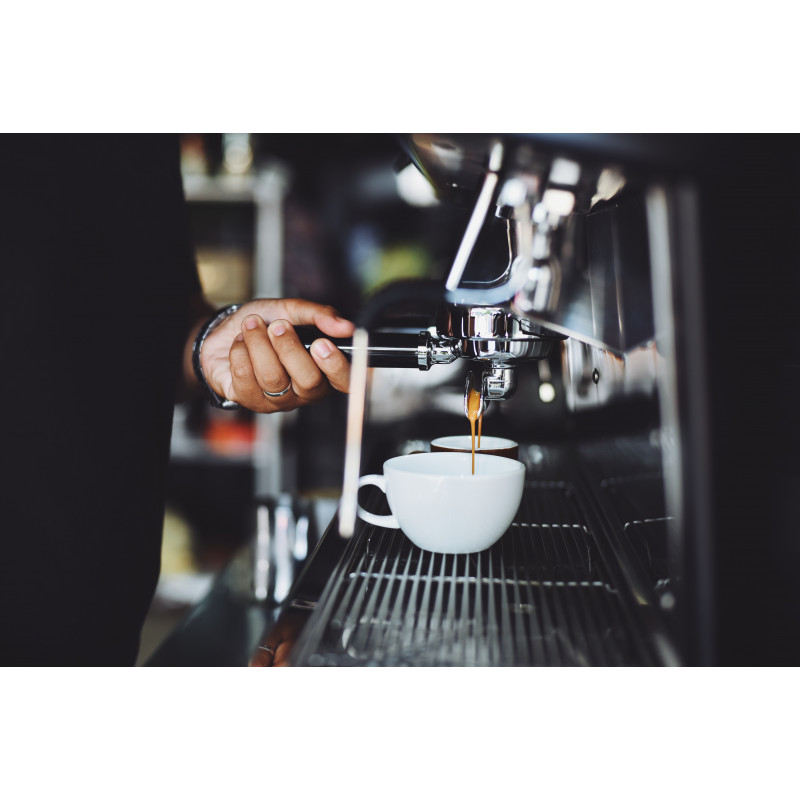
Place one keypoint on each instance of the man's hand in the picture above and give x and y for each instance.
(257, 350)
(276, 648)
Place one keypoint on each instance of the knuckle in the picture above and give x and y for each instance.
(241, 372)
(293, 305)
(337, 368)
(309, 380)
(323, 312)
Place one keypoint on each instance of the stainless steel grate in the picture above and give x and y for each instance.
(637, 503)
(636, 497)
(540, 596)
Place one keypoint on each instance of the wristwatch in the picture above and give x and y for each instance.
(212, 325)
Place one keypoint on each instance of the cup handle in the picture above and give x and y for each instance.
(383, 520)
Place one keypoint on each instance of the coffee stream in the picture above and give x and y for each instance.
(474, 413)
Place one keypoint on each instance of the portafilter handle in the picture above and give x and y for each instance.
(390, 349)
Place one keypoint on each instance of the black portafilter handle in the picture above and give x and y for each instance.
(386, 348)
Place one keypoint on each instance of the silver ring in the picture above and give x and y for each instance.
(267, 649)
(277, 394)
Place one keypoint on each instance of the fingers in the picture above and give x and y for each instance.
(272, 359)
(304, 312)
(333, 363)
(272, 654)
(263, 657)
(275, 649)
(282, 652)
(242, 358)
(308, 382)
(247, 389)
(257, 368)
(328, 358)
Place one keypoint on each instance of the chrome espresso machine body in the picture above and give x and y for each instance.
(656, 274)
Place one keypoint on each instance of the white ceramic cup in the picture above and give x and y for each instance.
(441, 506)
(491, 445)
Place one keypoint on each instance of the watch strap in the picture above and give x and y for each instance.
(211, 325)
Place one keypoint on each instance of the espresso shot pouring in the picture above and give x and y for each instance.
(474, 408)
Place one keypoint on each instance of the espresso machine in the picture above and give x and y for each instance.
(657, 274)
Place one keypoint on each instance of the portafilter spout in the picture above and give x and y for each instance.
(496, 342)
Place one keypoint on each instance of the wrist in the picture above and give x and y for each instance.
(205, 330)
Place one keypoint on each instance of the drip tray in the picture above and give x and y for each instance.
(539, 596)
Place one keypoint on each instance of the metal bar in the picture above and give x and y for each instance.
(356, 410)
(470, 599)
(416, 613)
(551, 641)
(378, 589)
(422, 632)
(475, 223)
(568, 632)
(350, 624)
(435, 621)
(577, 604)
(392, 641)
(377, 629)
(450, 627)
(506, 634)
(678, 294)
(541, 650)
(493, 632)
(577, 536)
(475, 655)
(625, 576)
(573, 566)
(520, 640)
(269, 191)
(534, 571)
(537, 637)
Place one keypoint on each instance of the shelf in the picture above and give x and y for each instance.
(220, 188)
(268, 185)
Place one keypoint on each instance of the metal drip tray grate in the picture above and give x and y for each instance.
(540, 596)
(637, 502)
(636, 497)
